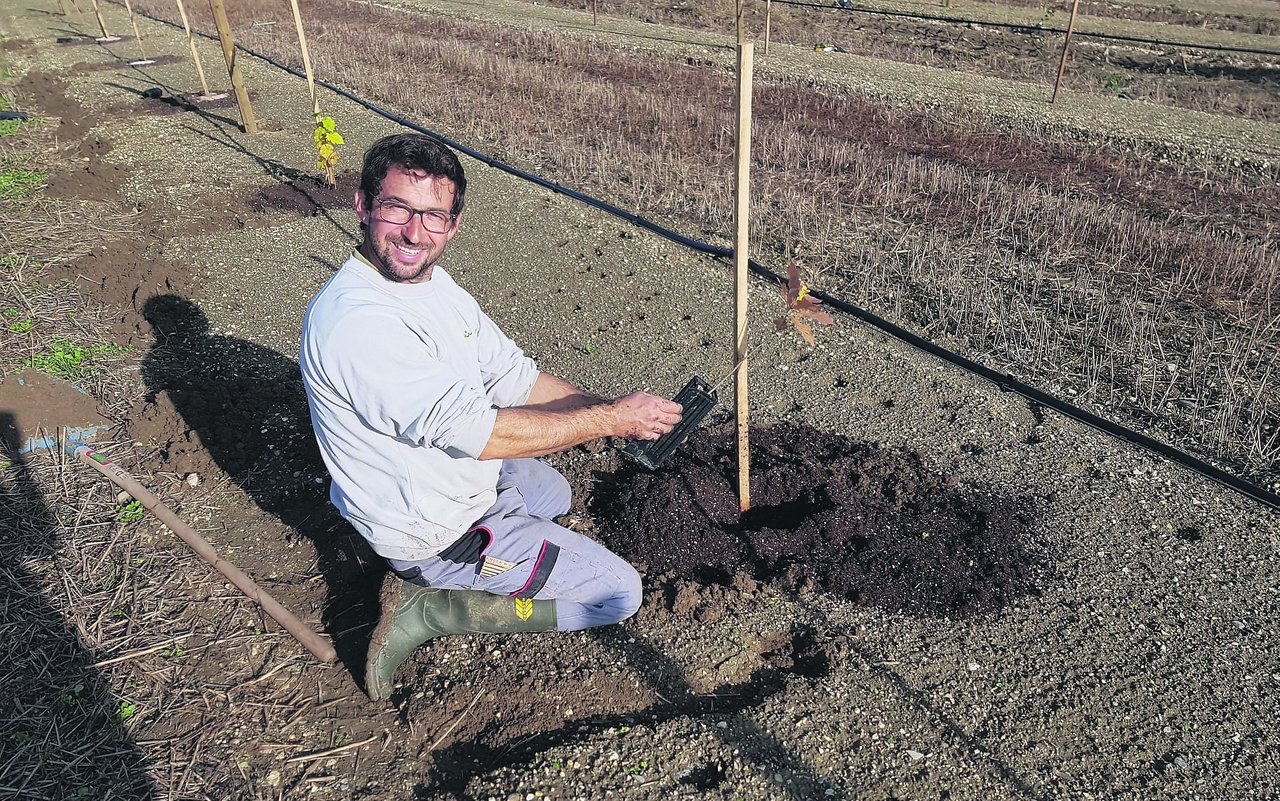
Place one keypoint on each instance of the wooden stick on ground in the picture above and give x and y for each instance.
(320, 647)
(1062, 64)
(741, 253)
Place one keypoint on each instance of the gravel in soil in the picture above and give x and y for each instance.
(1119, 647)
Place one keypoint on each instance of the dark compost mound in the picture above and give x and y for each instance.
(872, 524)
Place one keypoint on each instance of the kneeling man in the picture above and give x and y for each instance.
(429, 419)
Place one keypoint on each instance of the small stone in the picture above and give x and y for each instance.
(123, 497)
(193, 479)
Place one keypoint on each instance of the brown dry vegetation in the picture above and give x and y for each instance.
(1232, 83)
(1144, 288)
(1167, 13)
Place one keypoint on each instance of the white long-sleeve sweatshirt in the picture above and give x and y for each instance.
(402, 381)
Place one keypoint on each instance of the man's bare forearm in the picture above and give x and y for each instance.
(535, 430)
(524, 431)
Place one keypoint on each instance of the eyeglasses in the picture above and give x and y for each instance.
(436, 222)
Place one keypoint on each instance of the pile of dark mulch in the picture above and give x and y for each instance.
(873, 524)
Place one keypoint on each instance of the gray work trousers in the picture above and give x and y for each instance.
(514, 549)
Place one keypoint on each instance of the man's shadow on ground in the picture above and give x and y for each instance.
(245, 404)
(62, 733)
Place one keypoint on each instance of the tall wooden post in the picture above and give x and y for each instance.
(741, 253)
(1062, 64)
(768, 14)
(101, 24)
(306, 60)
(233, 66)
(742, 30)
(191, 42)
(595, 12)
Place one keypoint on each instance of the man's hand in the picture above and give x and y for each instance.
(644, 416)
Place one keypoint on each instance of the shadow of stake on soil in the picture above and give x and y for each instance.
(246, 406)
(299, 188)
(60, 730)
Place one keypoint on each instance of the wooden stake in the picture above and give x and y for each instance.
(233, 66)
(191, 42)
(101, 24)
(768, 12)
(320, 647)
(741, 253)
(1062, 64)
(134, 22)
(742, 30)
(306, 60)
(595, 12)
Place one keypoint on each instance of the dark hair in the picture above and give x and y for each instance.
(413, 151)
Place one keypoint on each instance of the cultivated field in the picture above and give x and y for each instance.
(1140, 286)
(945, 591)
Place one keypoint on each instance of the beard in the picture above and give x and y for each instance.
(389, 262)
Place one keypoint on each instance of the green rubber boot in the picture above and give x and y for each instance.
(413, 615)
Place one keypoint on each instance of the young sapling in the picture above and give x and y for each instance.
(802, 307)
(327, 140)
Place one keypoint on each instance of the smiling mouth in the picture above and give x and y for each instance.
(410, 253)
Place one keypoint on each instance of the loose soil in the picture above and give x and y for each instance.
(874, 525)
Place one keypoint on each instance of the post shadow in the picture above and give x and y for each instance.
(61, 734)
(245, 404)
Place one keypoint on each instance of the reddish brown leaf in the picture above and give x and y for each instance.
(793, 283)
(780, 323)
(805, 331)
(813, 314)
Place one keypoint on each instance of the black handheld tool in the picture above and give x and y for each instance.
(698, 398)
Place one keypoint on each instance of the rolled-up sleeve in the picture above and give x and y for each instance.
(508, 374)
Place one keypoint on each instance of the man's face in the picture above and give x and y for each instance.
(406, 253)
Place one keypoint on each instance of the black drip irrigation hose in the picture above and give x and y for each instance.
(1004, 381)
(1023, 27)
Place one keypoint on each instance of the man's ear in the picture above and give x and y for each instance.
(362, 211)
